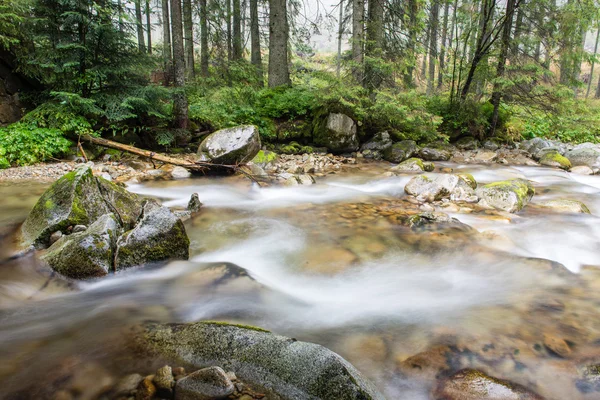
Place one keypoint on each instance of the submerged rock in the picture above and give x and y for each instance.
(510, 196)
(278, 365)
(87, 254)
(566, 206)
(338, 134)
(158, 236)
(72, 200)
(231, 146)
(554, 159)
(470, 384)
(205, 384)
(400, 151)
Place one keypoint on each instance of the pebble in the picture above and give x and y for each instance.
(164, 381)
(146, 389)
(205, 384)
(79, 228)
(55, 236)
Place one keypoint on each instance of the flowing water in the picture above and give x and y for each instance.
(331, 264)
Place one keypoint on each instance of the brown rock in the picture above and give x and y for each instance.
(128, 384)
(557, 345)
(164, 381)
(427, 364)
(146, 389)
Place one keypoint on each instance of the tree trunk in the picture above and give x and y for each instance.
(255, 56)
(426, 52)
(228, 18)
(358, 38)
(279, 74)
(188, 38)
(518, 31)
(340, 34)
(237, 31)
(203, 38)
(166, 22)
(442, 61)
(374, 45)
(180, 104)
(504, 47)
(433, 39)
(139, 26)
(593, 62)
(149, 26)
(413, 30)
(488, 8)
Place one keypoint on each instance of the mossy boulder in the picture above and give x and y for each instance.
(280, 366)
(400, 151)
(428, 188)
(125, 205)
(74, 199)
(554, 159)
(337, 133)
(566, 206)
(410, 165)
(376, 147)
(468, 143)
(231, 146)
(159, 235)
(469, 180)
(470, 384)
(510, 196)
(431, 153)
(87, 254)
(264, 158)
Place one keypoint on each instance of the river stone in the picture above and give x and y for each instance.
(467, 143)
(534, 145)
(194, 205)
(470, 384)
(510, 196)
(584, 155)
(125, 205)
(230, 146)
(400, 151)
(279, 365)
(554, 159)
(376, 147)
(410, 165)
(127, 385)
(72, 200)
(180, 173)
(338, 134)
(434, 154)
(164, 381)
(87, 254)
(566, 206)
(428, 188)
(582, 170)
(205, 384)
(158, 236)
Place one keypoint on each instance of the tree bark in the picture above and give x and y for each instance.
(255, 55)
(504, 47)
(279, 74)
(433, 39)
(188, 39)
(340, 34)
(229, 38)
(374, 45)
(139, 26)
(166, 24)
(358, 38)
(203, 38)
(237, 31)
(413, 12)
(149, 26)
(593, 62)
(442, 62)
(180, 104)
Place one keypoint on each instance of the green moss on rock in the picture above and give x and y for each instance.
(510, 196)
(554, 159)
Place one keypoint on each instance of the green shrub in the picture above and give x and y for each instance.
(24, 144)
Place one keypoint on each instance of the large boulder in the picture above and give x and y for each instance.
(159, 235)
(376, 147)
(410, 165)
(74, 199)
(429, 153)
(230, 146)
(400, 151)
(338, 134)
(554, 159)
(125, 205)
(429, 188)
(280, 366)
(87, 254)
(470, 384)
(585, 154)
(510, 196)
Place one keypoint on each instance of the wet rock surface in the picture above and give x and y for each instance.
(338, 134)
(510, 196)
(231, 146)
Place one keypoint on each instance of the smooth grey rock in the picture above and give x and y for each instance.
(379, 143)
(467, 143)
(231, 146)
(205, 384)
(338, 134)
(431, 188)
(510, 196)
(158, 236)
(87, 254)
(72, 200)
(180, 173)
(55, 236)
(434, 154)
(490, 145)
(279, 365)
(400, 151)
(584, 156)
(79, 228)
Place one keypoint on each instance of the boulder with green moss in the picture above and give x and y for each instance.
(510, 196)
(337, 133)
(435, 153)
(410, 165)
(554, 159)
(159, 235)
(282, 367)
(125, 205)
(87, 254)
(230, 146)
(470, 384)
(264, 158)
(74, 199)
(400, 151)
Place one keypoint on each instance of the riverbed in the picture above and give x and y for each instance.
(330, 263)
